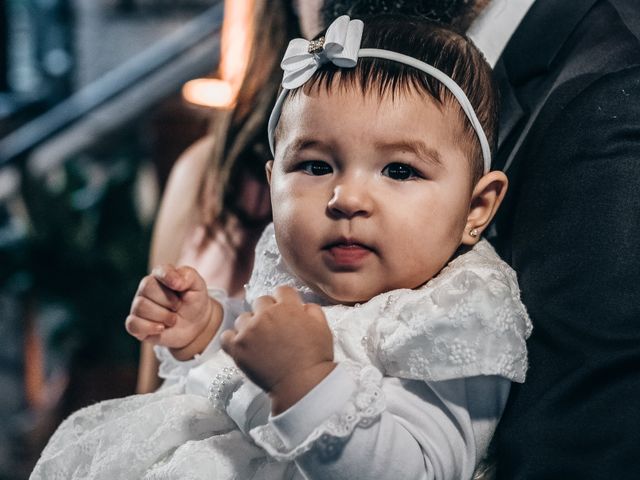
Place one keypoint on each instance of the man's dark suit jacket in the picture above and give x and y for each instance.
(570, 226)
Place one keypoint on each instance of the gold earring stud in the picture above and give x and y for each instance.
(474, 232)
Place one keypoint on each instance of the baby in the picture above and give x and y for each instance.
(379, 334)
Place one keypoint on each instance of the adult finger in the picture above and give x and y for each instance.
(149, 310)
(285, 294)
(263, 302)
(141, 328)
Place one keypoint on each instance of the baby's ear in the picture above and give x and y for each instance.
(485, 200)
(268, 169)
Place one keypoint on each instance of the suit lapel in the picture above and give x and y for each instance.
(511, 111)
(540, 36)
(520, 71)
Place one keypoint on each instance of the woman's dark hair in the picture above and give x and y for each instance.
(457, 14)
(436, 45)
(241, 146)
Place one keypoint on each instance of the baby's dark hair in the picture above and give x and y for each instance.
(436, 45)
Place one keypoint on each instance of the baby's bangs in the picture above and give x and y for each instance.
(376, 76)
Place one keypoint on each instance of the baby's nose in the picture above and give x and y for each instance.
(351, 199)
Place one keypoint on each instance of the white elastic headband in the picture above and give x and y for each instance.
(341, 46)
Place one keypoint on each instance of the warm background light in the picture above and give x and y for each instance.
(208, 92)
(234, 54)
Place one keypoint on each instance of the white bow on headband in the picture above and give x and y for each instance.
(341, 46)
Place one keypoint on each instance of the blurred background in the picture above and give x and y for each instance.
(97, 100)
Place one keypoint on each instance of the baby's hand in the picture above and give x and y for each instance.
(284, 346)
(172, 308)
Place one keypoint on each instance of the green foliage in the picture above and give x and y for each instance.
(85, 251)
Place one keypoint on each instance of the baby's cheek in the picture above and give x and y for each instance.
(287, 203)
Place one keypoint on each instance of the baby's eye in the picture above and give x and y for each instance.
(315, 167)
(399, 171)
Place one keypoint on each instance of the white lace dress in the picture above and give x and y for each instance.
(422, 378)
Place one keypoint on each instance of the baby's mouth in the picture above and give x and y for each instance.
(349, 244)
(347, 252)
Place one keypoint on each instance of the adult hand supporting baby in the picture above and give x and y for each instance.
(172, 308)
(284, 346)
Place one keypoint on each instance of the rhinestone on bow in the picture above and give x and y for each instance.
(316, 46)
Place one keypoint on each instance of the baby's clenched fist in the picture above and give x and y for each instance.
(284, 346)
(172, 308)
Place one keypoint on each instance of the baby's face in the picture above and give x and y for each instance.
(369, 194)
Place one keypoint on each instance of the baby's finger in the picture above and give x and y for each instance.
(227, 341)
(149, 310)
(242, 321)
(155, 291)
(179, 279)
(167, 275)
(263, 302)
(191, 279)
(314, 310)
(153, 339)
(141, 328)
(284, 294)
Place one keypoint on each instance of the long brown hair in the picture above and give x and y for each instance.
(241, 146)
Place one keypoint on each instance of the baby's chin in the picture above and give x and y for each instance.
(347, 296)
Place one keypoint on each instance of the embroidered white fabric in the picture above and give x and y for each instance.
(467, 321)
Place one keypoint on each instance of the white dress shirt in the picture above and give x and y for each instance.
(494, 27)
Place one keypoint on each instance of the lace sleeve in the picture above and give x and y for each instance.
(466, 322)
(364, 425)
(283, 437)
